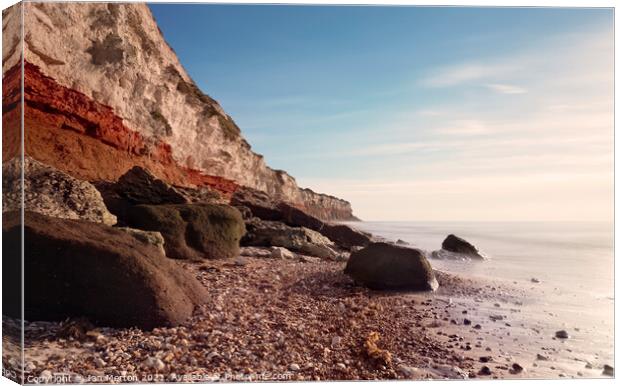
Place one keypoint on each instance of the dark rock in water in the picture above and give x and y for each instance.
(192, 231)
(139, 186)
(562, 334)
(75, 268)
(608, 370)
(456, 244)
(388, 266)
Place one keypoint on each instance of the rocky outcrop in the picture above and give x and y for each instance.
(76, 268)
(260, 205)
(139, 186)
(51, 192)
(302, 240)
(456, 244)
(104, 92)
(386, 266)
(192, 231)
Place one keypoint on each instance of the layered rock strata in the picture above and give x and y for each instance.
(104, 92)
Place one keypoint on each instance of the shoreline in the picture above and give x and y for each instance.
(272, 319)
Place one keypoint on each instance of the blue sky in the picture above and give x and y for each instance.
(416, 113)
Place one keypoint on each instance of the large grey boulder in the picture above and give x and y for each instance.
(302, 240)
(386, 266)
(51, 192)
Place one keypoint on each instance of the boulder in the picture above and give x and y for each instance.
(201, 195)
(386, 266)
(192, 231)
(456, 244)
(53, 193)
(262, 233)
(139, 186)
(281, 253)
(345, 236)
(150, 238)
(260, 205)
(76, 268)
(255, 252)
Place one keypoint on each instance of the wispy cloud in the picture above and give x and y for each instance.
(467, 72)
(506, 88)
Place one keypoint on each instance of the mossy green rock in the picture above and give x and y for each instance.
(192, 231)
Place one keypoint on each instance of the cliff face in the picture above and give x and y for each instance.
(103, 92)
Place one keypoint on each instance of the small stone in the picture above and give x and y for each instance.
(534, 280)
(281, 253)
(100, 363)
(341, 366)
(608, 370)
(485, 370)
(562, 334)
(466, 322)
(212, 355)
(30, 367)
(46, 376)
(486, 359)
(541, 357)
(154, 363)
(516, 368)
(294, 367)
(409, 372)
(477, 327)
(588, 365)
(336, 341)
(241, 261)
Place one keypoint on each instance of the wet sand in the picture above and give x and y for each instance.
(284, 320)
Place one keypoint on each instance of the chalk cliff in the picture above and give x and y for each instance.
(103, 92)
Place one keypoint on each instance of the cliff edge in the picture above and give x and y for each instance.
(103, 92)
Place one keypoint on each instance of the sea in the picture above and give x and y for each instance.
(569, 266)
